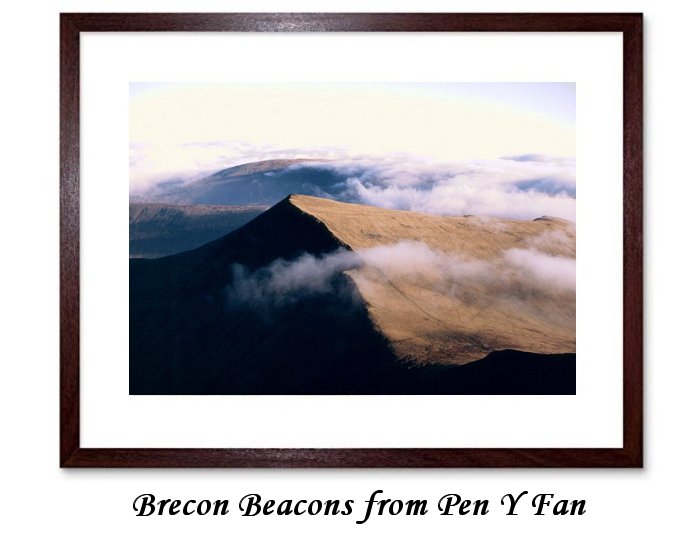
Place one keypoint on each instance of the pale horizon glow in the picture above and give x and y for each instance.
(178, 129)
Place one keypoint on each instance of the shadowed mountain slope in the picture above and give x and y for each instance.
(187, 336)
(196, 327)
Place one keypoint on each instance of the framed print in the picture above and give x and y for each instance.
(354, 240)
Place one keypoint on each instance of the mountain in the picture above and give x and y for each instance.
(262, 183)
(319, 297)
(156, 230)
(442, 313)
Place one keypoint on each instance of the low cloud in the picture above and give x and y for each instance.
(516, 270)
(413, 260)
(284, 281)
(542, 269)
(515, 273)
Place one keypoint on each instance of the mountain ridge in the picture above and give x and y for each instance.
(426, 325)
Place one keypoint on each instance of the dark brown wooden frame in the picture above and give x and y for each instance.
(72, 24)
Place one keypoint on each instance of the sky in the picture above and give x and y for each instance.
(503, 145)
(442, 121)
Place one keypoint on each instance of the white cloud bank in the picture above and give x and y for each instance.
(517, 187)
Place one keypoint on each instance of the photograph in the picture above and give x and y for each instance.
(376, 238)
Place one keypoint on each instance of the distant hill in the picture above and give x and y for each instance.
(156, 230)
(262, 183)
(285, 305)
(259, 167)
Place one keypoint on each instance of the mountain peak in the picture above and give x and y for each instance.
(552, 219)
(361, 226)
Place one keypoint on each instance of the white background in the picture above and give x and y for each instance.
(112, 418)
(41, 502)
